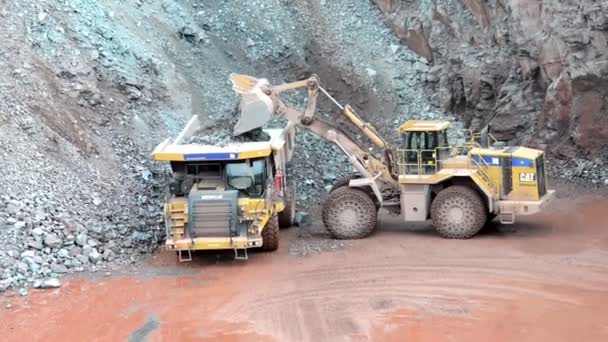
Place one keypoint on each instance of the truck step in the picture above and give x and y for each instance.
(507, 215)
(240, 255)
(182, 257)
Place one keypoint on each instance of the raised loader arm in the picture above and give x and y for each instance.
(261, 101)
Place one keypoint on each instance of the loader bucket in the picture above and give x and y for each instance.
(256, 108)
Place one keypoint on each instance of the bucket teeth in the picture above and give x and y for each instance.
(243, 84)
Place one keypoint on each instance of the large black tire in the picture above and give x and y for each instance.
(458, 212)
(270, 235)
(349, 213)
(288, 215)
(344, 181)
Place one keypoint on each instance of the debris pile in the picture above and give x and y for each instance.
(220, 132)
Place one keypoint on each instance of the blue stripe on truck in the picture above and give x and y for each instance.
(521, 162)
(211, 156)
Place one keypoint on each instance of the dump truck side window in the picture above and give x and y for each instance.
(248, 178)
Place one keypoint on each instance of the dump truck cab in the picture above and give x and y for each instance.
(229, 196)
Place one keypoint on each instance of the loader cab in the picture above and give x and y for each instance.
(425, 144)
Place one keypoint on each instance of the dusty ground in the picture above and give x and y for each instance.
(544, 279)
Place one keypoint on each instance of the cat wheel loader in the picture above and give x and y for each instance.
(459, 188)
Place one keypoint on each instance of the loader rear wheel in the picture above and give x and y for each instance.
(270, 235)
(288, 215)
(349, 213)
(458, 212)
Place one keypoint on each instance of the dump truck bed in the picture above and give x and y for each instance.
(179, 150)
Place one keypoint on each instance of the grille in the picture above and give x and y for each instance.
(540, 175)
(210, 219)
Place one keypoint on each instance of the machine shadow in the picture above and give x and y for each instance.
(493, 229)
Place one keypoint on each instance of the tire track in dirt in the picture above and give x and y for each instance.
(334, 294)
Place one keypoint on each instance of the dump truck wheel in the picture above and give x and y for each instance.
(288, 215)
(458, 212)
(270, 235)
(349, 213)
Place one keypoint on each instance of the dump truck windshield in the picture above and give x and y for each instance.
(247, 178)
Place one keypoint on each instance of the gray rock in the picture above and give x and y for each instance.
(82, 259)
(35, 244)
(63, 253)
(108, 255)
(95, 256)
(141, 236)
(37, 231)
(23, 292)
(40, 215)
(52, 240)
(58, 268)
(81, 239)
(50, 284)
(28, 254)
(145, 175)
(86, 250)
(20, 225)
(42, 16)
(22, 267)
(5, 284)
(92, 243)
(74, 251)
(303, 219)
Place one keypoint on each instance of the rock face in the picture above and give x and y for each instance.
(536, 70)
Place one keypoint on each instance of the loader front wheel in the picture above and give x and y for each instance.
(270, 235)
(288, 215)
(458, 212)
(349, 213)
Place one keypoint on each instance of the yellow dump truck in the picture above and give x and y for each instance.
(227, 196)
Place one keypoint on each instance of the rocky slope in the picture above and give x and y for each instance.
(536, 70)
(88, 88)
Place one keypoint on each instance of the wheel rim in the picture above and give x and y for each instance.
(348, 216)
(455, 214)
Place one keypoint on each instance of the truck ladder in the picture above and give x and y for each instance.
(240, 256)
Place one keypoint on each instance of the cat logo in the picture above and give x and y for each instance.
(527, 177)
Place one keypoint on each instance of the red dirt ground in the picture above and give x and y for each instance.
(545, 279)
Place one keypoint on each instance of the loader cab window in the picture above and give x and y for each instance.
(424, 148)
(247, 177)
(426, 140)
